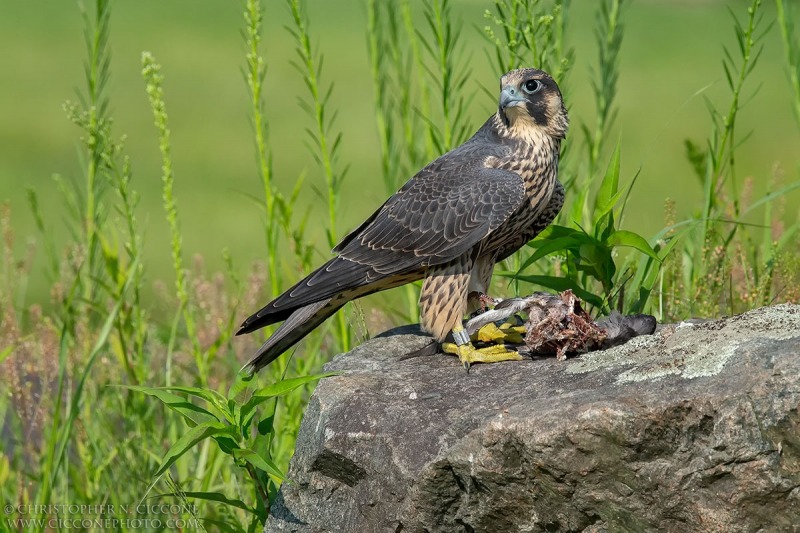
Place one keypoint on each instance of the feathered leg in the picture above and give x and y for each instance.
(443, 303)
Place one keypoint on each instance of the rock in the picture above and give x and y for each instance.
(695, 428)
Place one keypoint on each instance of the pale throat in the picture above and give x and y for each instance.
(523, 128)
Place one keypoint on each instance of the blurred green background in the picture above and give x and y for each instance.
(671, 53)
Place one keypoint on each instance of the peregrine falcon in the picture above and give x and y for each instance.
(448, 225)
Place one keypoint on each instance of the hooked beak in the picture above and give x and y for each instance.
(510, 97)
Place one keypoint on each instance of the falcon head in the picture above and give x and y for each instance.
(530, 98)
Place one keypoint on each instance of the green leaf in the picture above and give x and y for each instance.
(265, 426)
(547, 247)
(262, 463)
(578, 205)
(193, 413)
(189, 439)
(287, 385)
(553, 231)
(647, 275)
(610, 184)
(280, 388)
(265, 429)
(211, 396)
(603, 210)
(241, 383)
(226, 443)
(596, 260)
(633, 240)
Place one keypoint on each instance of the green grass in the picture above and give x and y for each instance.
(199, 192)
(670, 53)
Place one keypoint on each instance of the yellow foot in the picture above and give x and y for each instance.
(505, 333)
(468, 354)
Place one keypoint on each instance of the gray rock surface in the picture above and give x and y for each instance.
(695, 428)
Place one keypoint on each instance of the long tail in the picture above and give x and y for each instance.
(312, 300)
(335, 277)
(299, 324)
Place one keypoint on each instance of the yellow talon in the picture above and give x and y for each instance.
(468, 354)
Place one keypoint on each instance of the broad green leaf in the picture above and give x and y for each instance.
(548, 247)
(552, 231)
(262, 463)
(578, 205)
(265, 428)
(593, 253)
(193, 413)
(610, 184)
(241, 383)
(211, 396)
(226, 443)
(603, 210)
(596, 261)
(287, 385)
(633, 240)
(605, 226)
(647, 274)
(280, 388)
(188, 440)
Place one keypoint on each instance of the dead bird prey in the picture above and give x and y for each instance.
(555, 324)
(467, 210)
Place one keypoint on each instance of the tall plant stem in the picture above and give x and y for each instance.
(326, 146)
(255, 73)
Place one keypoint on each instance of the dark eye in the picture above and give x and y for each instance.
(531, 86)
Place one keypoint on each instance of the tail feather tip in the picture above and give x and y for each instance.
(249, 368)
